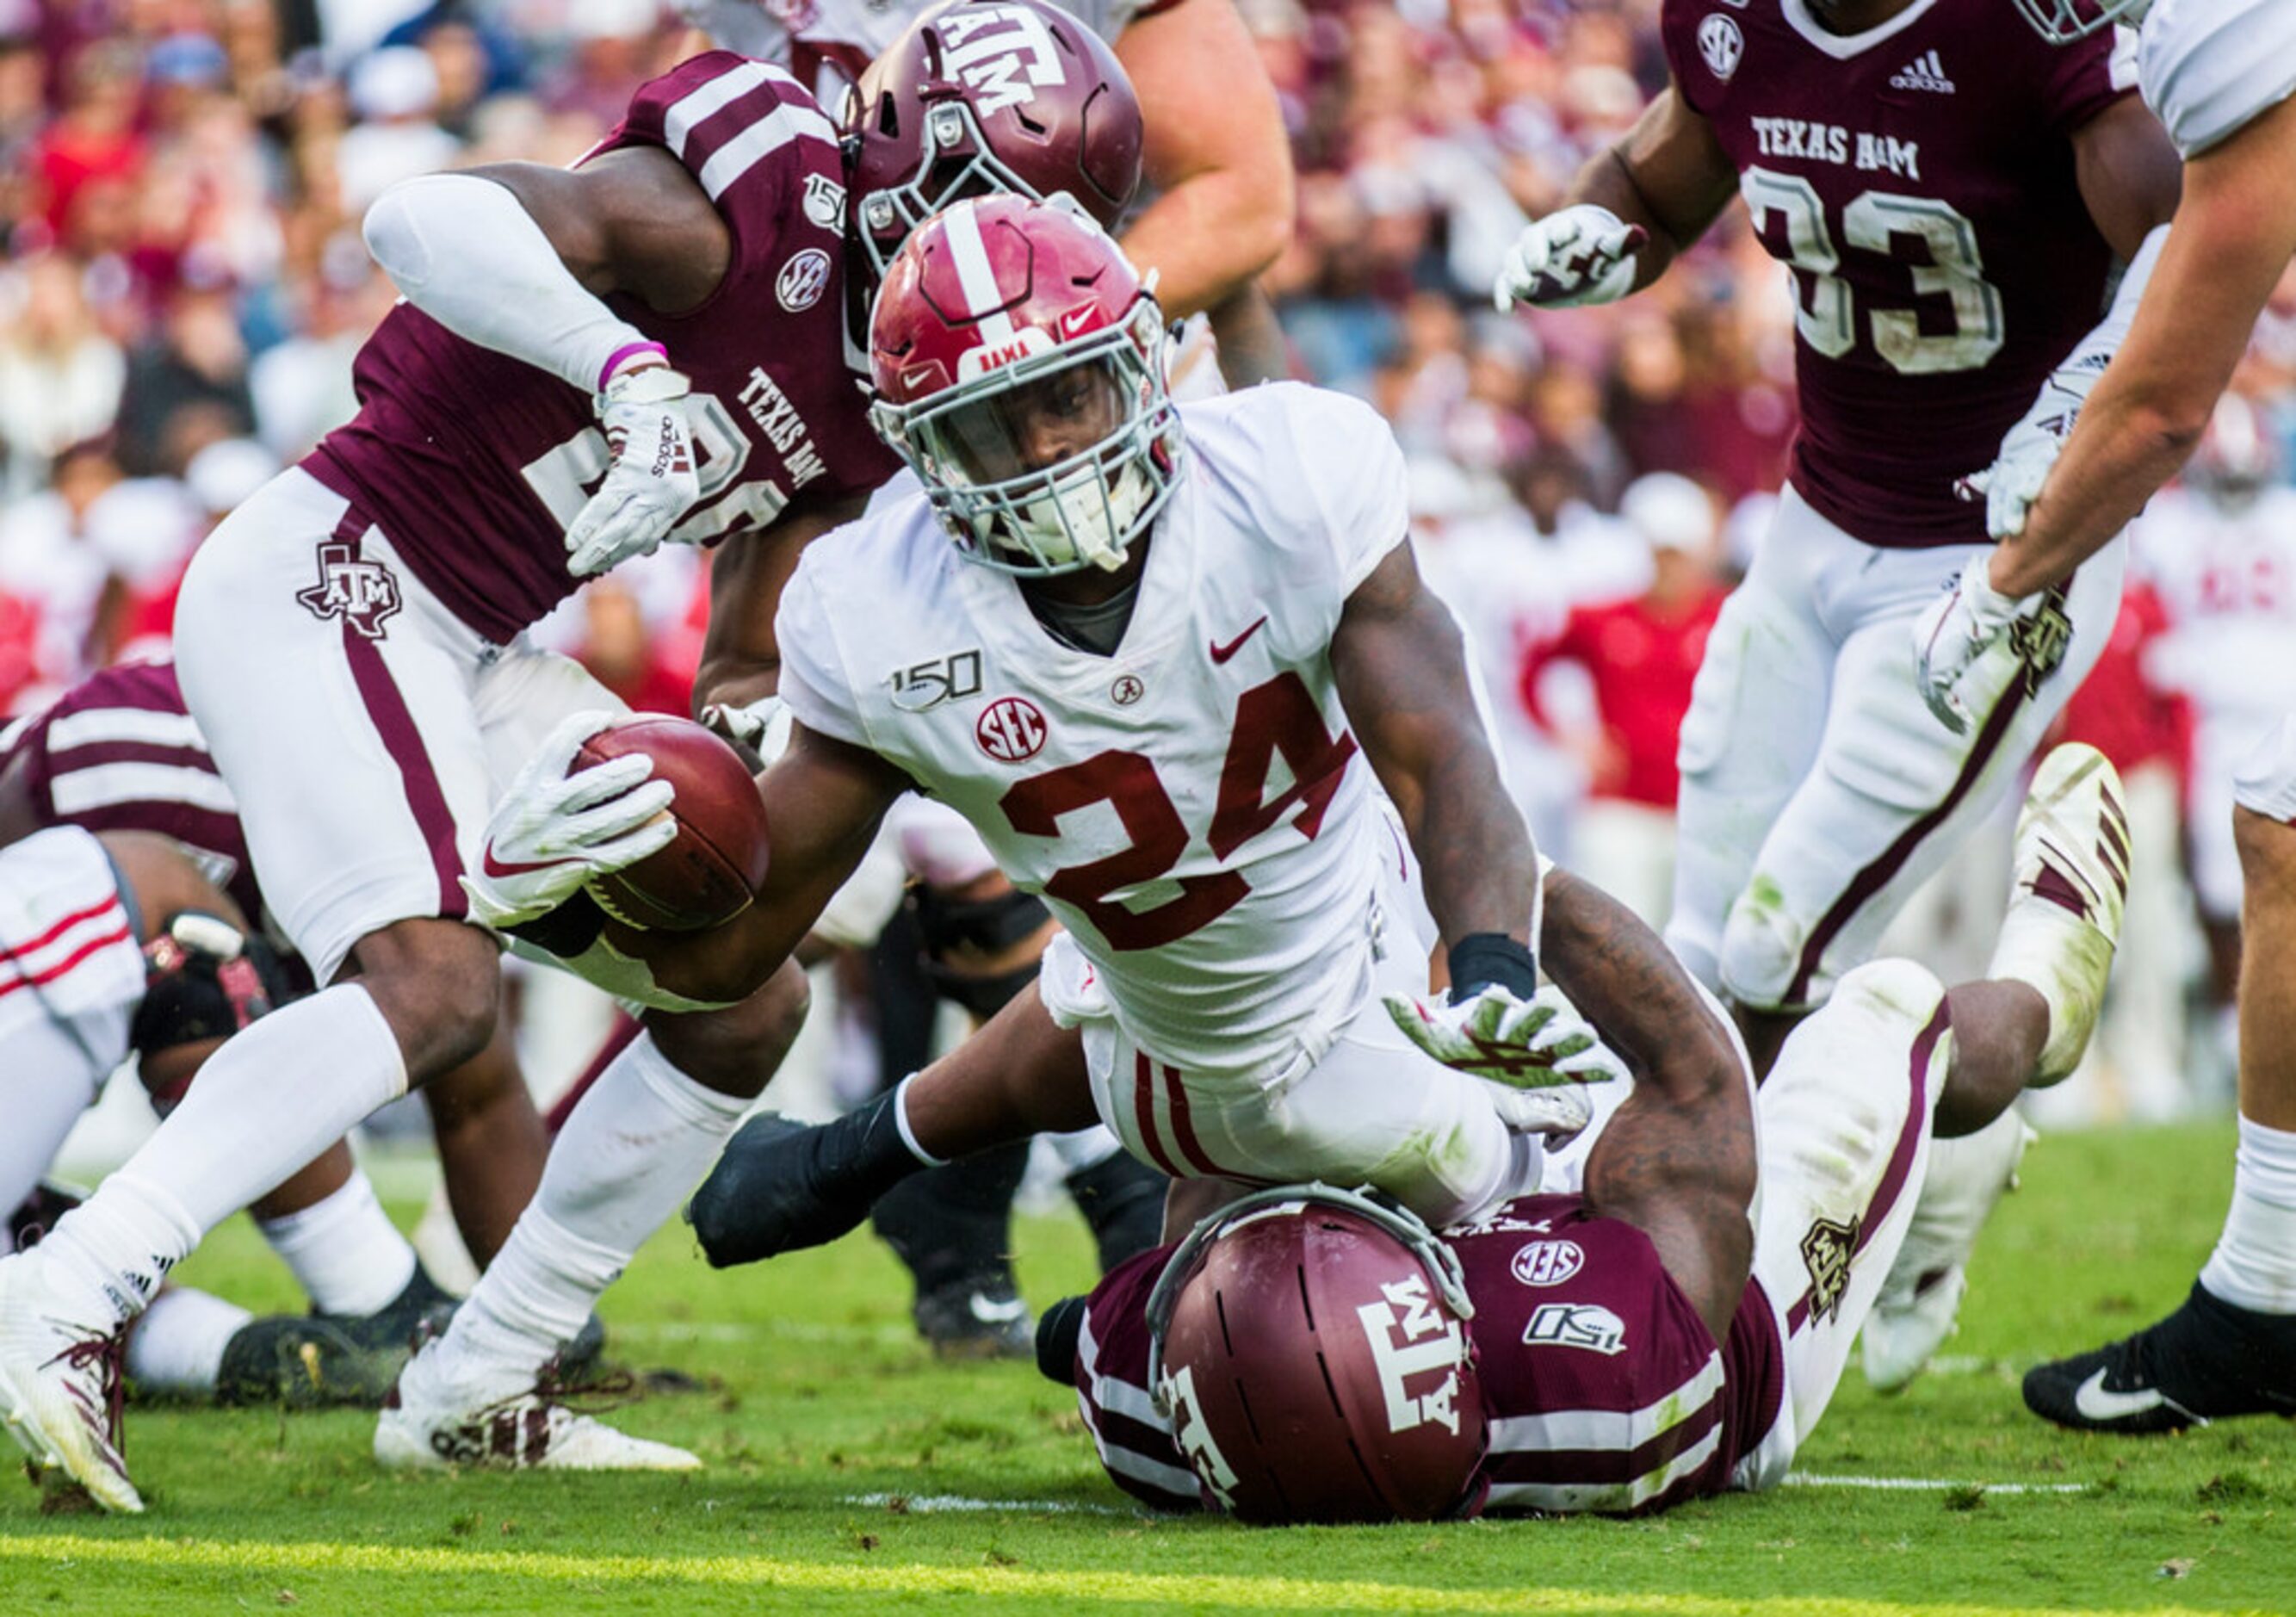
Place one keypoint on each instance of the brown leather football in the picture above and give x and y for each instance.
(711, 871)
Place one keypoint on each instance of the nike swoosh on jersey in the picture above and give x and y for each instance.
(2093, 1399)
(1221, 654)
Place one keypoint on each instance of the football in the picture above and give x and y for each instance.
(710, 873)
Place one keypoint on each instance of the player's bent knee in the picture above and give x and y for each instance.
(1894, 989)
(1762, 948)
(737, 1049)
(439, 984)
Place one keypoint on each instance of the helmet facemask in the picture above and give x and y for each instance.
(957, 163)
(2063, 21)
(1054, 461)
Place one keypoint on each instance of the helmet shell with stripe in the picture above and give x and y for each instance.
(995, 310)
(1312, 1351)
(986, 95)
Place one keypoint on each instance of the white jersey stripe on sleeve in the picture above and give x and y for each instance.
(78, 791)
(677, 124)
(785, 123)
(1117, 1397)
(1609, 1431)
(1565, 1498)
(147, 726)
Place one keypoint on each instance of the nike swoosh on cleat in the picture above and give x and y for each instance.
(2097, 1402)
(1221, 654)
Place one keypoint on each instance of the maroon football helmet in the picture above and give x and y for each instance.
(1019, 361)
(1310, 1348)
(986, 95)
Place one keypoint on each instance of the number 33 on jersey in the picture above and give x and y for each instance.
(1917, 178)
(1194, 806)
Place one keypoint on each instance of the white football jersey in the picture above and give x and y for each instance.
(827, 43)
(2228, 582)
(1193, 808)
(2209, 66)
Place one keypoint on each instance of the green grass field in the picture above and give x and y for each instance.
(847, 1470)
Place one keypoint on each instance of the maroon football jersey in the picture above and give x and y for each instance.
(1918, 178)
(119, 753)
(1605, 1390)
(474, 463)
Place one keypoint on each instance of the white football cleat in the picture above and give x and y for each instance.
(1919, 1304)
(60, 1392)
(424, 1427)
(2063, 921)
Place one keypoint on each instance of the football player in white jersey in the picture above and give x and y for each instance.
(2222, 76)
(1144, 671)
(1217, 161)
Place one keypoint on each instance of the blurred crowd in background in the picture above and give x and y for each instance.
(183, 287)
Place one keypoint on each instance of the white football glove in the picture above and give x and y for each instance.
(651, 480)
(1583, 254)
(762, 725)
(1537, 1043)
(2013, 482)
(552, 832)
(1969, 619)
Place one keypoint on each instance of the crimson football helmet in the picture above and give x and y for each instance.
(2063, 21)
(1019, 361)
(1309, 1346)
(986, 95)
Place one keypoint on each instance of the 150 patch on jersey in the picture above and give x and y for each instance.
(922, 686)
(1575, 1324)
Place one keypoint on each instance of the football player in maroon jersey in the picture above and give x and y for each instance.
(1662, 1334)
(1951, 196)
(649, 347)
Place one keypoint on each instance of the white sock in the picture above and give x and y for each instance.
(178, 1346)
(344, 1251)
(2254, 1265)
(634, 1148)
(265, 1103)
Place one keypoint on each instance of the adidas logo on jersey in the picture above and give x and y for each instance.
(1924, 72)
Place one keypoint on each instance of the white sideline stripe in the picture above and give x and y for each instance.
(76, 791)
(148, 726)
(944, 1504)
(1804, 1479)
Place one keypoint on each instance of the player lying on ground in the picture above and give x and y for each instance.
(1951, 196)
(1675, 1329)
(116, 946)
(2222, 75)
(647, 346)
(118, 753)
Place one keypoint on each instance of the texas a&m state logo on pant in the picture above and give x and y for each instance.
(362, 594)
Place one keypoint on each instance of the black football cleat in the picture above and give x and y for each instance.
(418, 1312)
(2207, 1361)
(980, 1318)
(782, 1185)
(1059, 1329)
(304, 1362)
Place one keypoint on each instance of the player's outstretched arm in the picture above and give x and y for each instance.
(2234, 235)
(1218, 158)
(1402, 674)
(1630, 209)
(1676, 1160)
